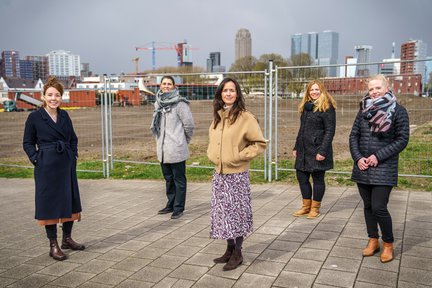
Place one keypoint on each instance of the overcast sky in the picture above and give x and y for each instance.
(106, 32)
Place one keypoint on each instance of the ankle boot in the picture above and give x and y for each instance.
(387, 252)
(305, 208)
(235, 260)
(69, 243)
(55, 251)
(314, 211)
(226, 256)
(371, 248)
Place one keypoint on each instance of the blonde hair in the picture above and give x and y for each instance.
(52, 82)
(380, 77)
(324, 101)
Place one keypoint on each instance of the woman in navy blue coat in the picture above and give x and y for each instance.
(51, 145)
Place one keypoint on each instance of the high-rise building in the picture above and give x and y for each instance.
(26, 69)
(328, 49)
(390, 66)
(85, 70)
(414, 50)
(322, 47)
(305, 43)
(214, 61)
(243, 44)
(40, 67)
(363, 54)
(64, 64)
(10, 64)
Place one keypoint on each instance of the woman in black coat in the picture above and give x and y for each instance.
(313, 150)
(52, 146)
(379, 133)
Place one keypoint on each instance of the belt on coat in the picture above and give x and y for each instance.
(60, 146)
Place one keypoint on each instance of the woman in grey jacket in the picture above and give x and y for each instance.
(173, 127)
(379, 133)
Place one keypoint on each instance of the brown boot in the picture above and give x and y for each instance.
(314, 212)
(69, 243)
(371, 248)
(226, 256)
(387, 252)
(55, 251)
(305, 208)
(235, 260)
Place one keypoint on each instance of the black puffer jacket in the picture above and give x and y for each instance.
(315, 136)
(385, 147)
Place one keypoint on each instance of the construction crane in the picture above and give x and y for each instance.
(136, 60)
(182, 50)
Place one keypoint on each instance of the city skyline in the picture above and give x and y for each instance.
(105, 33)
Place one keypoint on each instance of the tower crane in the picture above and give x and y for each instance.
(180, 48)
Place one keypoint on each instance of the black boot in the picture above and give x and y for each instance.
(226, 256)
(235, 260)
(69, 243)
(55, 251)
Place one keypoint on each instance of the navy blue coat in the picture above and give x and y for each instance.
(53, 149)
(315, 136)
(386, 148)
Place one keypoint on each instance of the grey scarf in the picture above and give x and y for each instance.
(164, 102)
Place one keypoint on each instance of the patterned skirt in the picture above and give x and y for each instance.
(231, 210)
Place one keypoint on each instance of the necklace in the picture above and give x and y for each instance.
(53, 116)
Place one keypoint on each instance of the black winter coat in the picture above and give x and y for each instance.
(385, 147)
(53, 149)
(315, 136)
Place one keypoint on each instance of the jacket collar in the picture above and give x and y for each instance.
(60, 120)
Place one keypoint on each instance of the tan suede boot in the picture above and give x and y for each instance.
(305, 208)
(371, 248)
(314, 212)
(387, 252)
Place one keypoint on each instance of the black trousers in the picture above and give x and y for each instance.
(375, 200)
(51, 230)
(175, 177)
(306, 188)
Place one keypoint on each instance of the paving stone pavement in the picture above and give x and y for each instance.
(130, 245)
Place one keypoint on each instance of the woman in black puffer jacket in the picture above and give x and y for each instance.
(313, 148)
(379, 133)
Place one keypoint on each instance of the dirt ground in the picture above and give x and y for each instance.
(132, 140)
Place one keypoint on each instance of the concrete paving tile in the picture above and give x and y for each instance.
(166, 282)
(202, 259)
(252, 247)
(95, 266)
(115, 255)
(72, 279)
(12, 261)
(377, 276)
(35, 251)
(101, 247)
(111, 276)
(324, 235)
(269, 268)
(235, 274)
(217, 247)
(150, 252)
(303, 266)
(261, 238)
(417, 276)
(81, 256)
(293, 236)
(189, 272)
(166, 243)
(311, 254)
(287, 246)
(7, 281)
(253, 280)
(417, 241)
(347, 252)
(351, 242)
(91, 284)
(359, 284)
(132, 264)
(199, 241)
(168, 261)
(33, 281)
(403, 284)
(318, 243)
(210, 281)
(128, 283)
(184, 250)
(133, 245)
(21, 271)
(342, 264)
(294, 279)
(417, 251)
(150, 274)
(272, 230)
(59, 268)
(275, 255)
(343, 279)
(416, 262)
(374, 262)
